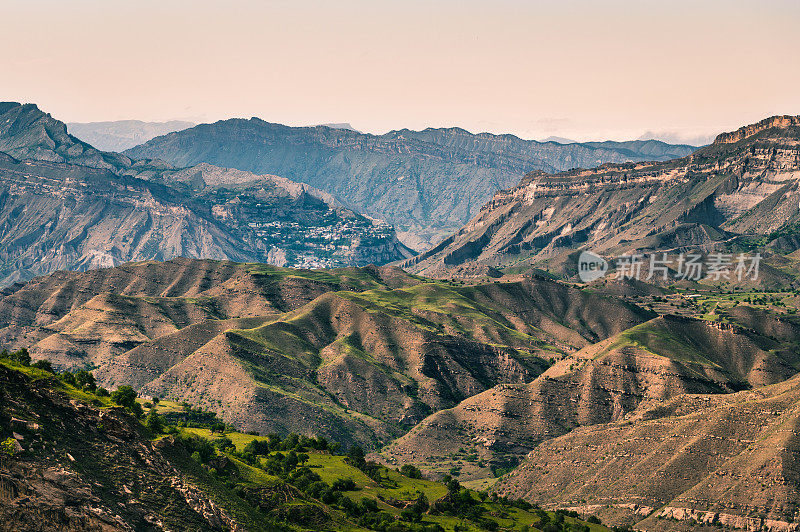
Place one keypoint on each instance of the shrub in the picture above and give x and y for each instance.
(136, 408)
(68, 378)
(8, 447)
(410, 471)
(44, 365)
(343, 484)
(199, 446)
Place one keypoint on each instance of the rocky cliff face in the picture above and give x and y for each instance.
(28, 133)
(746, 183)
(66, 205)
(427, 183)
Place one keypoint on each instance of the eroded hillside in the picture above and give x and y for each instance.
(359, 354)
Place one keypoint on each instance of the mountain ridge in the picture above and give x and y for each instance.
(427, 183)
(65, 204)
(119, 135)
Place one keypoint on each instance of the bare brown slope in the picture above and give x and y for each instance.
(601, 383)
(366, 366)
(729, 459)
(151, 358)
(82, 319)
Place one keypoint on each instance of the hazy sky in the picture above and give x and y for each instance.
(577, 69)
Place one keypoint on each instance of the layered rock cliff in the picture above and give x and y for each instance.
(746, 183)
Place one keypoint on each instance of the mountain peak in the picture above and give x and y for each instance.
(26, 132)
(780, 121)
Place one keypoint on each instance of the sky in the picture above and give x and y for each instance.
(583, 70)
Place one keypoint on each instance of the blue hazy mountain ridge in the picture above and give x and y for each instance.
(66, 205)
(426, 183)
(119, 135)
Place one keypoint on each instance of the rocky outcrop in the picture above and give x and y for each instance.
(781, 122)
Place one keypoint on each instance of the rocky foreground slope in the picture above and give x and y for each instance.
(426, 183)
(742, 187)
(67, 205)
(78, 467)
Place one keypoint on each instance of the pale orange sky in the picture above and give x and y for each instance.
(577, 69)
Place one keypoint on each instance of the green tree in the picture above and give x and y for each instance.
(124, 396)
(421, 505)
(86, 380)
(153, 422)
(356, 456)
(21, 356)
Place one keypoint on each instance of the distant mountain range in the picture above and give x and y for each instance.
(66, 205)
(426, 183)
(119, 135)
(742, 190)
